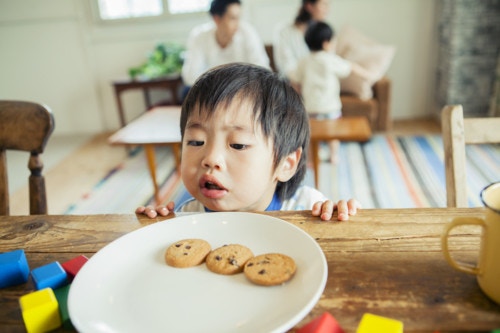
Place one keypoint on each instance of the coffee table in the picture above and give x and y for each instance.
(157, 127)
(342, 129)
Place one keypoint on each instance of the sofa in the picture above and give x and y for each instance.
(376, 109)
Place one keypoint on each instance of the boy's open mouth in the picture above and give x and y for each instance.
(212, 186)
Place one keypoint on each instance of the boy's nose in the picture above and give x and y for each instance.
(213, 158)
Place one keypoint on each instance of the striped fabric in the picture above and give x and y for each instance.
(404, 172)
(386, 172)
(125, 187)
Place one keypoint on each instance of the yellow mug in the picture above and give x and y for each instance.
(487, 269)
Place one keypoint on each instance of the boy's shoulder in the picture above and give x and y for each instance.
(190, 205)
(303, 199)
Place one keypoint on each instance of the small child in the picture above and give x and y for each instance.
(317, 77)
(245, 133)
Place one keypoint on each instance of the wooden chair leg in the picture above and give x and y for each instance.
(4, 185)
(38, 201)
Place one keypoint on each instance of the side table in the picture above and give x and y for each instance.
(171, 83)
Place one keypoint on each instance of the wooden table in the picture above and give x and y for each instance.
(342, 129)
(159, 126)
(386, 262)
(172, 84)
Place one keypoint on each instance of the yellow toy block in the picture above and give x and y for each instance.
(40, 311)
(371, 323)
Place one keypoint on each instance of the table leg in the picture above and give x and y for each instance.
(120, 107)
(147, 98)
(151, 158)
(176, 147)
(315, 159)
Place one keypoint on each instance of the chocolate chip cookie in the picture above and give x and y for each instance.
(228, 259)
(187, 253)
(270, 269)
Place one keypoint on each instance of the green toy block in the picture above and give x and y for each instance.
(371, 323)
(40, 311)
(62, 299)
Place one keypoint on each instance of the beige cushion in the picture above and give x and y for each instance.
(374, 57)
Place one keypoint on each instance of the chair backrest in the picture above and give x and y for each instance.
(25, 126)
(457, 132)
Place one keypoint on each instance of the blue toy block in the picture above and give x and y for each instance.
(49, 276)
(14, 268)
(62, 298)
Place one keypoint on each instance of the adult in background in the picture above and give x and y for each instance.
(224, 40)
(289, 45)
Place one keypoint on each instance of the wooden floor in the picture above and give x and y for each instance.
(69, 180)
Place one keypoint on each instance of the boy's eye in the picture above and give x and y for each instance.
(195, 143)
(238, 146)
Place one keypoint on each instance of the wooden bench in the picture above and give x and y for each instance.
(342, 129)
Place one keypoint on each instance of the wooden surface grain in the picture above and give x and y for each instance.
(386, 262)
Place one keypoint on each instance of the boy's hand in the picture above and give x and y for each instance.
(325, 209)
(151, 212)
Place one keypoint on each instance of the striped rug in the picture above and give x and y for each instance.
(386, 172)
(404, 172)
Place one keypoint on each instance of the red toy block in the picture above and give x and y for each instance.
(325, 323)
(73, 266)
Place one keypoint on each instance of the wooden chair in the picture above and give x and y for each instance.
(25, 126)
(457, 132)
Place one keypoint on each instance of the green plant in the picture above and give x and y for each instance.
(166, 58)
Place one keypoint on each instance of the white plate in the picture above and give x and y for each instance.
(127, 287)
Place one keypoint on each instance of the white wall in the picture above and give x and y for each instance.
(54, 52)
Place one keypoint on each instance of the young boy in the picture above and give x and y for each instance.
(317, 77)
(244, 139)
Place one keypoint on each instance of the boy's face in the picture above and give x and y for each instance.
(227, 163)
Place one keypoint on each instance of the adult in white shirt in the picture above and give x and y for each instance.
(289, 45)
(224, 40)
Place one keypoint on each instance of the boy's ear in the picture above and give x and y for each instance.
(288, 166)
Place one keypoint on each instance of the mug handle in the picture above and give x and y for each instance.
(470, 269)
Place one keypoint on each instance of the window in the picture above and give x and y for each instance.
(186, 6)
(126, 9)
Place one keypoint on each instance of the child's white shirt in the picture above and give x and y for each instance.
(319, 77)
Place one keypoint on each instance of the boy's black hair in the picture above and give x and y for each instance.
(219, 7)
(316, 34)
(276, 107)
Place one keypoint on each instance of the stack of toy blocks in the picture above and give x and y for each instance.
(370, 323)
(45, 308)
